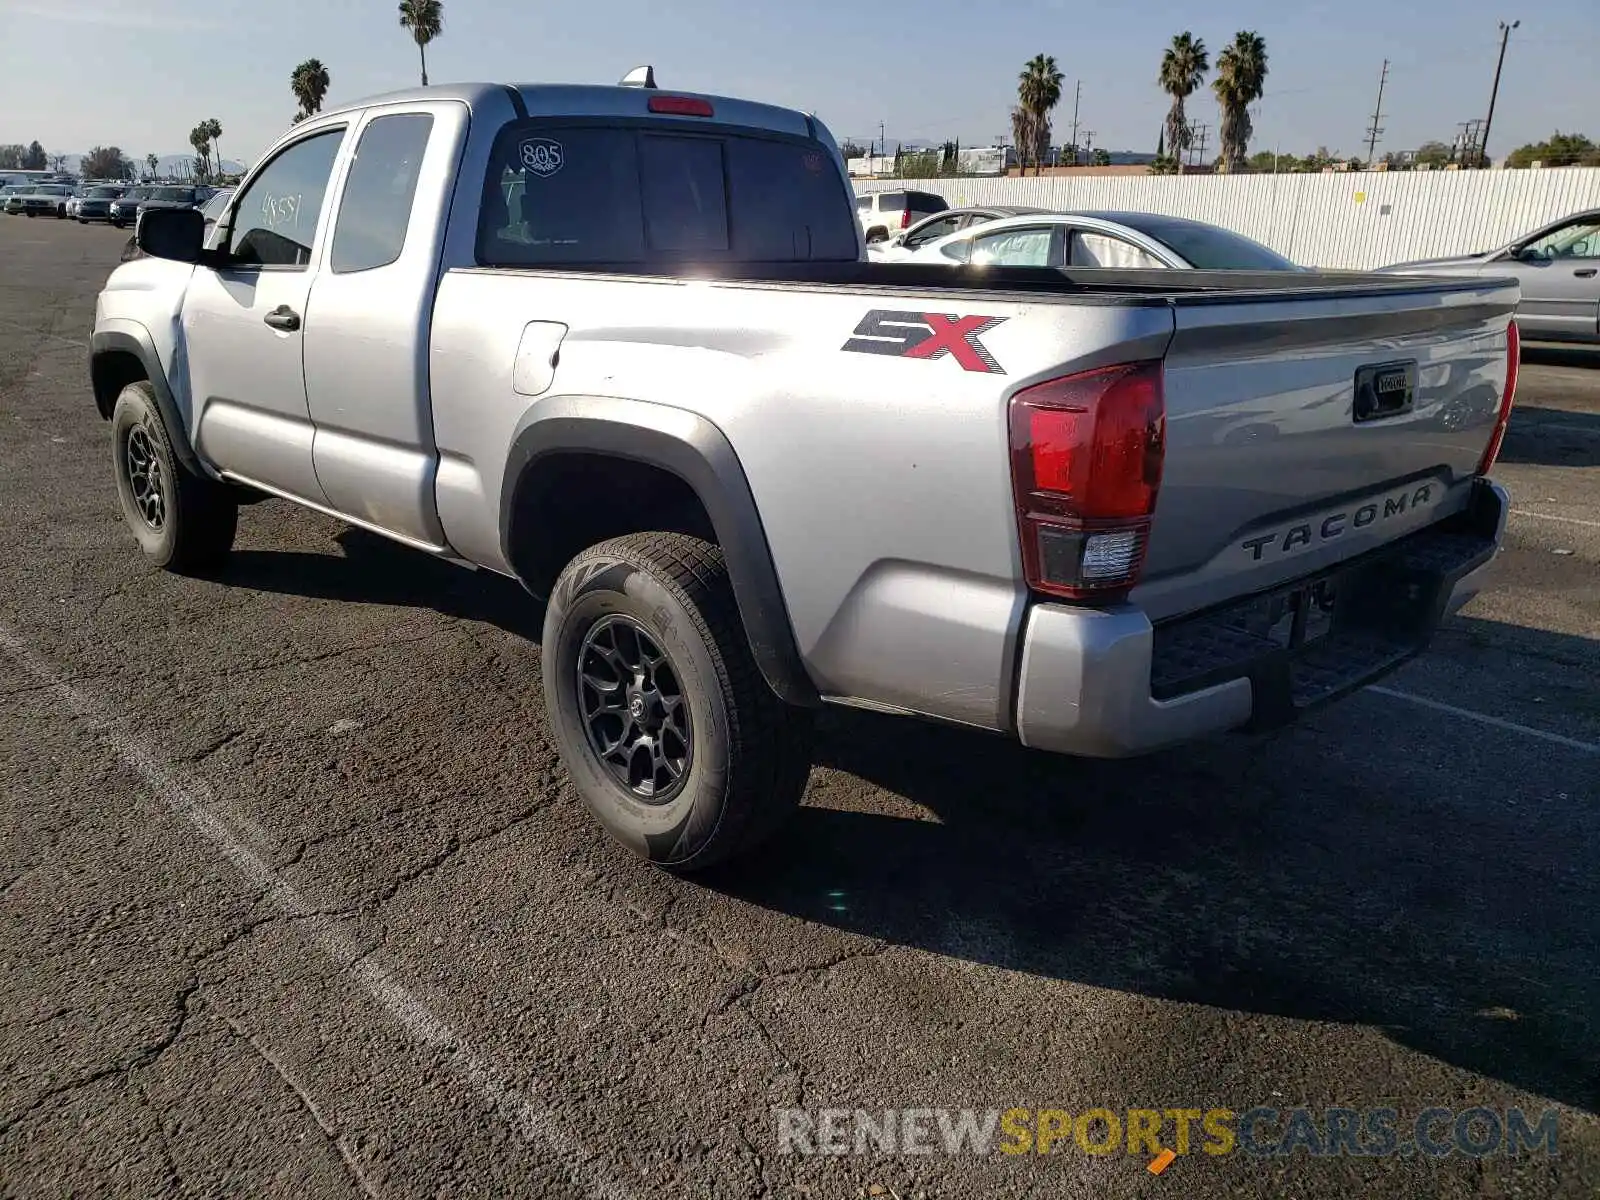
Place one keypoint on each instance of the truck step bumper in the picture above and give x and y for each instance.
(1106, 683)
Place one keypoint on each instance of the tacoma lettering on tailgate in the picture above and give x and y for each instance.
(1326, 526)
(926, 335)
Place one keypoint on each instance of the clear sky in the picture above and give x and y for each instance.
(140, 73)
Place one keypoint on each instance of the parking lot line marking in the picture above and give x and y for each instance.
(49, 337)
(1485, 719)
(1522, 512)
(190, 798)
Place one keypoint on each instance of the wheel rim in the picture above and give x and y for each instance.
(634, 711)
(144, 477)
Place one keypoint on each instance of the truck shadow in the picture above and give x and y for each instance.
(1552, 437)
(1246, 874)
(374, 570)
(1252, 874)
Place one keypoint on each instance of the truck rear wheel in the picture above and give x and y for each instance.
(183, 522)
(675, 741)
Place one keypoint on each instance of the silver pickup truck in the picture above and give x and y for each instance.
(621, 344)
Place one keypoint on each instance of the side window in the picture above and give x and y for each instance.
(1102, 250)
(275, 221)
(375, 209)
(1578, 240)
(1014, 248)
(932, 232)
(960, 251)
(863, 203)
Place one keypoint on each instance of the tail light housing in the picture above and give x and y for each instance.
(1507, 399)
(905, 218)
(1086, 458)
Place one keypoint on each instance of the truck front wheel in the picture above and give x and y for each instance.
(183, 522)
(674, 740)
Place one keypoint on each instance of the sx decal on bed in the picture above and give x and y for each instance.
(926, 335)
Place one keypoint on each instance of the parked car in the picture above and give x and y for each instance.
(125, 209)
(1558, 267)
(10, 191)
(931, 229)
(884, 213)
(992, 498)
(41, 200)
(95, 204)
(1141, 241)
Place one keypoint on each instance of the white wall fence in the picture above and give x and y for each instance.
(1354, 220)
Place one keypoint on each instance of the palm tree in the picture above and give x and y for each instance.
(213, 128)
(1038, 91)
(425, 20)
(1241, 78)
(151, 161)
(1183, 69)
(309, 83)
(200, 139)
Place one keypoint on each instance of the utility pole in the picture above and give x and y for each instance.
(1202, 130)
(881, 142)
(1088, 145)
(1375, 130)
(1077, 95)
(1505, 34)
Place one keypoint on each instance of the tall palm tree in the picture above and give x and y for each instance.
(151, 161)
(1038, 91)
(1241, 78)
(213, 128)
(425, 20)
(309, 83)
(1183, 69)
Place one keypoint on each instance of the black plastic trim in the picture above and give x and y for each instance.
(143, 348)
(698, 453)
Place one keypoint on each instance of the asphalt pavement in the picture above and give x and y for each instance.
(298, 902)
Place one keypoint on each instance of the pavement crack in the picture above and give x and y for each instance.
(169, 1162)
(452, 848)
(142, 1057)
(336, 1139)
(214, 745)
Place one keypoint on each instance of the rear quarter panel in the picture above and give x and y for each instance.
(883, 482)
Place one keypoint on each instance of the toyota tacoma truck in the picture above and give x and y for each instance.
(621, 344)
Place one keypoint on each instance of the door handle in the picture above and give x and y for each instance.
(1586, 272)
(283, 317)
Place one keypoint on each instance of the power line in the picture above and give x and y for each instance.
(1374, 131)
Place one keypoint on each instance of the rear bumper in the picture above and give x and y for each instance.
(1107, 684)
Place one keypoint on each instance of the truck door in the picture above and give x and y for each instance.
(372, 306)
(243, 323)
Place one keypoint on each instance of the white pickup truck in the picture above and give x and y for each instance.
(620, 344)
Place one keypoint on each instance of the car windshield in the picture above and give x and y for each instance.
(104, 193)
(52, 190)
(186, 195)
(138, 193)
(1207, 248)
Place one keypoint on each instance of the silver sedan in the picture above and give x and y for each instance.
(1102, 239)
(1558, 267)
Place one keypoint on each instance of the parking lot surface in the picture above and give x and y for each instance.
(297, 901)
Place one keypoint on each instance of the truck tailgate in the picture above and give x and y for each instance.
(1304, 429)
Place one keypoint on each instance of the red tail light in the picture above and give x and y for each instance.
(1513, 360)
(681, 106)
(905, 218)
(1086, 455)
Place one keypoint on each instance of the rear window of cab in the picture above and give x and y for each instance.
(565, 193)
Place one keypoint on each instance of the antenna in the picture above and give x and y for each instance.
(640, 77)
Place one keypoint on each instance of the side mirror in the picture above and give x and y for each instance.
(175, 233)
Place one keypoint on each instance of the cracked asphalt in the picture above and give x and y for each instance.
(297, 901)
